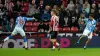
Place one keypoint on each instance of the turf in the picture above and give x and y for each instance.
(48, 52)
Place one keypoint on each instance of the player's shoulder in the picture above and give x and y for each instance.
(94, 20)
(56, 16)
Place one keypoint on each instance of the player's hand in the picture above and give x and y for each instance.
(89, 34)
(33, 18)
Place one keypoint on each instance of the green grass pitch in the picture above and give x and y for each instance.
(48, 52)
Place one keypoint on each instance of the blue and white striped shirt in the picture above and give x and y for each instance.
(90, 25)
(20, 21)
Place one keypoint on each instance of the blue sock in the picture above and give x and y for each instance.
(10, 37)
(25, 39)
(25, 42)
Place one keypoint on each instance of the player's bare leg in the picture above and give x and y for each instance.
(7, 38)
(53, 48)
(55, 43)
(80, 39)
(58, 45)
(87, 42)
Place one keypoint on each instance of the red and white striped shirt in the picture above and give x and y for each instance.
(54, 23)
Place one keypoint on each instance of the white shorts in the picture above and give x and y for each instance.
(86, 32)
(18, 30)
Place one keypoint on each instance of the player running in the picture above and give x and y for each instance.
(90, 26)
(20, 21)
(54, 29)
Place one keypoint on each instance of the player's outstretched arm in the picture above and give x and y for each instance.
(29, 19)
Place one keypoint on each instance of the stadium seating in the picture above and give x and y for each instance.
(24, 10)
(34, 35)
(66, 29)
(74, 29)
(36, 24)
(33, 29)
(41, 35)
(28, 29)
(60, 29)
(97, 29)
(97, 2)
(98, 24)
(29, 23)
(25, 4)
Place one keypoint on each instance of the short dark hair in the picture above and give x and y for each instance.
(91, 15)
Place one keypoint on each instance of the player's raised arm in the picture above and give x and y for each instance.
(28, 19)
(85, 19)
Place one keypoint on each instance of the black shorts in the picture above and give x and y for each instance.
(54, 34)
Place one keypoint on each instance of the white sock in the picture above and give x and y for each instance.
(57, 44)
(53, 47)
(25, 44)
(6, 39)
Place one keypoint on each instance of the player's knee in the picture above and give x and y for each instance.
(23, 35)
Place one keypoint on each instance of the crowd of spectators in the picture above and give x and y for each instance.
(70, 12)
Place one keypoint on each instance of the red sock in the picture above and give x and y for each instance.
(54, 44)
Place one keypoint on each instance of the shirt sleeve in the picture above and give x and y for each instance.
(28, 19)
(86, 19)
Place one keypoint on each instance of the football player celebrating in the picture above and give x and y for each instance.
(20, 21)
(90, 26)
